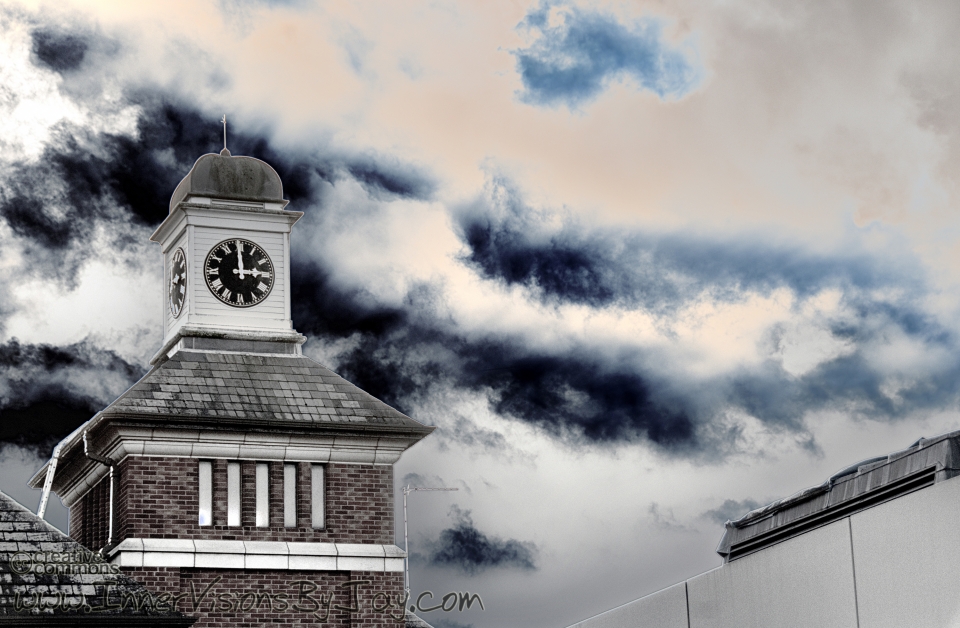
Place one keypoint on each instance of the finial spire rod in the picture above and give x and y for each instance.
(224, 121)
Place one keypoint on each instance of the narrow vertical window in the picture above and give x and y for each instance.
(206, 492)
(316, 494)
(233, 493)
(290, 495)
(263, 494)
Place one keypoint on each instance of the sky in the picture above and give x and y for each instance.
(645, 265)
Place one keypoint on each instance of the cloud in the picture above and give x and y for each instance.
(404, 352)
(46, 391)
(560, 261)
(468, 433)
(576, 391)
(403, 355)
(111, 186)
(578, 53)
(357, 47)
(115, 185)
(665, 520)
(407, 352)
(563, 260)
(59, 51)
(465, 548)
(385, 180)
(730, 510)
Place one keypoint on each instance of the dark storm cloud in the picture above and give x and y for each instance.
(579, 391)
(84, 181)
(119, 184)
(112, 182)
(507, 242)
(48, 391)
(399, 357)
(58, 50)
(469, 550)
(404, 353)
(582, 393)
(572, 61)
(396, 181)
(730, 510)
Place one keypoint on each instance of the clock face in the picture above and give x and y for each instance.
(178, 282)
(239, 273)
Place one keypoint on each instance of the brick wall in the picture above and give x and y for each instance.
(157, 497)
(89, 523)
(244, 599)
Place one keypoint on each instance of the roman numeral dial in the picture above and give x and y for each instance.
(177, 293)
(239, 272)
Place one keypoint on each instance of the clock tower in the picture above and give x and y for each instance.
(226, 252)
(242, 482)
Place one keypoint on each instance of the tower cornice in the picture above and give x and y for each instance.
(118, 437)
(213, 212)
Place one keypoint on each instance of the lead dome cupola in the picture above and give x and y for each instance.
(228, 177)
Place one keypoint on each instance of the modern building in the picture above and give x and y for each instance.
(239, 475)
(874, 546)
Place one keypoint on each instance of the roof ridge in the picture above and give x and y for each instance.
(50, 527)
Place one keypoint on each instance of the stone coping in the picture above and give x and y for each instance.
(219, 554)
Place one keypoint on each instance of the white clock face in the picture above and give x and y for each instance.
(239, 272)
(178, 282)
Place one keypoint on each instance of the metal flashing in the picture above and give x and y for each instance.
(866, 484)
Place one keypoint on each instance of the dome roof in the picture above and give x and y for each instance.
(226, 176)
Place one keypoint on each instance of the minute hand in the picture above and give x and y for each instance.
(240, 269)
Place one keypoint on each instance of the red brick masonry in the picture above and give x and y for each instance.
(157, 497)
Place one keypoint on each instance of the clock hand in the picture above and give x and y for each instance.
(252, 273)
(240, 259)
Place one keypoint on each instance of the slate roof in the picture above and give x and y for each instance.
(415, 621)
(292, 388)
(71, 594)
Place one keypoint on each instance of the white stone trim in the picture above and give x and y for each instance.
(126, 440)
(257, 555)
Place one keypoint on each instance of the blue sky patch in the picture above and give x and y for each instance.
(577, 54)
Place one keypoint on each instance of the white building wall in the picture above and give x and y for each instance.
(663, 609)
(907, 553)
(801, 583)
(891, 566)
